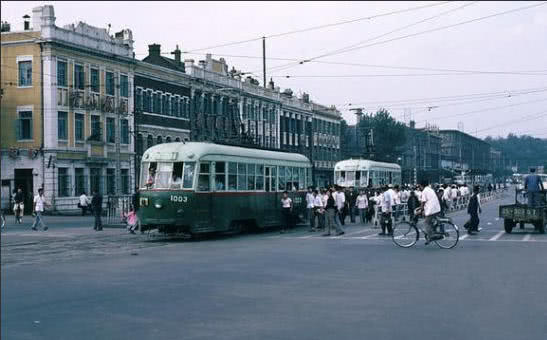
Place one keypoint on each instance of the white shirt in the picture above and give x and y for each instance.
(309, 200)
(418, 194)
(317, 202)
(396, 196)
(84, 201)
(340, 199)
(432, 205)
(39, 200)
(286, 203)
(324, 200)
(361, 202)
(447, 194)
(405, 195)
(386, 201)
(465, 191)
(454, 193)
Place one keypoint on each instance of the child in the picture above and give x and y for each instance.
(131, 220)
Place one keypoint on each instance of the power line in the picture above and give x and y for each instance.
(483, 110)
(406, 75)
(438, 28)
(377, 37)
(528, 118)
(318, 27)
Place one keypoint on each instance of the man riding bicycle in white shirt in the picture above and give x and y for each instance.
(430, 207)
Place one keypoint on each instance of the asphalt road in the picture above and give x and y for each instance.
(300, 285)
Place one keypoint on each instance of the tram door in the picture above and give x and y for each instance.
(270, 201)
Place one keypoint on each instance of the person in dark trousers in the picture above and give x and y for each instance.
(412, 203)
(286, 210)
(97, 205)
(473, 209)
(533, 185)
(332, 220)
(351, 198)
(135, 199)
(19, 207)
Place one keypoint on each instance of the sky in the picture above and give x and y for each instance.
(487, 77)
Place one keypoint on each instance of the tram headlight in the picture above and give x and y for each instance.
(158, 205)
(144, 202)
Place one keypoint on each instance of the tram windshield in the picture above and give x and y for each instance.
(167, 175)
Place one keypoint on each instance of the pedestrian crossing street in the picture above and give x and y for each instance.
(491, 232)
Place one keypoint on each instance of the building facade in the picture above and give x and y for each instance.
(463, 152)
(421, 156)
(72, 107)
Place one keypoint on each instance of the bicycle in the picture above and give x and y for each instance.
(407, 233)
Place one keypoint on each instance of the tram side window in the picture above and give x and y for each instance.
(281, 178)
(251, 176)
(288, 178)
(294, 179)
(274, 177)
(309, 177)
(301, 178)
(188, 181)
(259, 177)
(203, 178)
(232, 176)
(176, 181)
(241, 176)
(220, 176)
(341, 177)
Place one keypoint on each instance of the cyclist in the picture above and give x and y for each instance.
(430, 207)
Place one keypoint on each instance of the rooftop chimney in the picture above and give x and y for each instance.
(177, 54)
(154, 50)
(271, 84)
(412, 124)
(26, 22)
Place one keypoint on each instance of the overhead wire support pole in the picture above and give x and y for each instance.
(264, 60)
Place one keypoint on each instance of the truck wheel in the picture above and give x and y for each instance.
(508, 225)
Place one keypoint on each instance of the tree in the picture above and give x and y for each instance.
(381, 136)
(526, 151)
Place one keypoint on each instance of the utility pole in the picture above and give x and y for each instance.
(264, 60)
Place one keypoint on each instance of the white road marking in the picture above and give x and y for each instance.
(489, 223)
(526, 237)
(464, 237)
(498, 235)
(357, 232)
(368, 237)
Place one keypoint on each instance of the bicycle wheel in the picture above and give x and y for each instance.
(405, 234)
(450, 235)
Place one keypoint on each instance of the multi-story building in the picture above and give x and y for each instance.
(326, 143)
(421, 156)
(71, 102)
(460, 151)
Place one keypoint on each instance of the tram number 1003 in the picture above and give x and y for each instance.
(182, 199)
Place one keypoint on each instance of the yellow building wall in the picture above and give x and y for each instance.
(13, 96)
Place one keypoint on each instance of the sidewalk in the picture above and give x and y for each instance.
(56, 222)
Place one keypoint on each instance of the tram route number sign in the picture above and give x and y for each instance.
(181, 199)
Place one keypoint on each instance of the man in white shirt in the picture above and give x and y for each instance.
(309, 208)
(340, 200)
(431, 207)
(317, 209)
(386, 206)
(447, 196)
(454, 194)
(84, 203)
(38, 208)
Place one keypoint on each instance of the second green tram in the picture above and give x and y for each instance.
(206, 187)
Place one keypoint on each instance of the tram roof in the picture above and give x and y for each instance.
(194, 151)
(363, 164)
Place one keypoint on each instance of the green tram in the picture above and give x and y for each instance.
(204, 187)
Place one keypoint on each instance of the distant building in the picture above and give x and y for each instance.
(460, 151)
(421, 158)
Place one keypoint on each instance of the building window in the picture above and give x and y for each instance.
(159, 140)
(25, 73)
(110, 181)
(96, 180)
(62, 125)
(168, 139)
(61, 73)
(96, 128)
(79, 127)
(149, 141)
(139, 144)
(125, 181)
(124, 131)
(138, 100)
(157, 103)
(79, 77)
(124, 86)
(63, 182)
(109, 83)
(146, 102)
(110, 130)
(24, 126)
(79, 181)
(165, 105)
(175, 107)
(95, 80)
